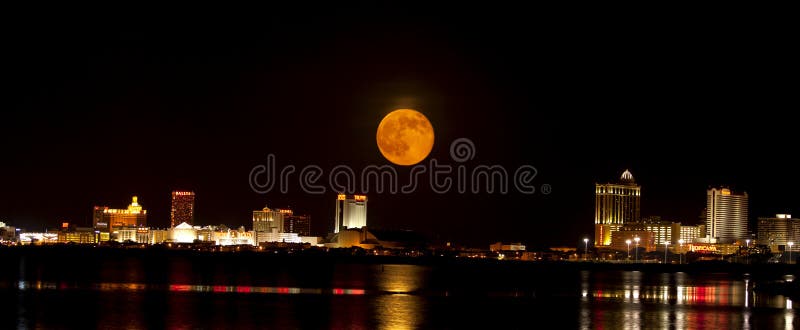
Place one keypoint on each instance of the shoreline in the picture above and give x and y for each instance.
(77, 253)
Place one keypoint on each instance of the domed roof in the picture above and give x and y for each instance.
(627, 177)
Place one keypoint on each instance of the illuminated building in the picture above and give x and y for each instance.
(207, 233)
(346, 238)
(183, 233)
(647, 239)
(7, 233)
(654, 234)
(157, 236)
(616, 204)
(222, 235)
(182, 208)
(124, 234)
(268, 225)
(264, 237)
(726, 215)
(106, 220)
(690, 234)
(234, 237)
(38, 238)
(499, 246)
(133, 234)
(776, 232)
(79, 235)
(268, 221)
(351, 212)
(299, 224)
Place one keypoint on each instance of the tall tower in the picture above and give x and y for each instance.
(351, 212)
(615, 204)
(726, 215)
(182, 208)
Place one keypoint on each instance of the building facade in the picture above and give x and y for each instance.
(182, 208)
(298, 224)
(726, 215)
(777, 231)
(351, 212)
(106, 220)
(616, 204)
(268, 220)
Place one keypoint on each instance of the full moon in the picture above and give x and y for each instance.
(405, 137)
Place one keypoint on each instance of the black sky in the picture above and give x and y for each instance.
(138, 101)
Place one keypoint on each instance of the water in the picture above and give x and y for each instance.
(151, 290)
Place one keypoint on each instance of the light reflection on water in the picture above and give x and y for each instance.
(676, 300)
(394, 297)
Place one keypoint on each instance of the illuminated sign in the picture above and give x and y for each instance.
(341, 197)
(702, 248)
(183, 193)
(360, 197)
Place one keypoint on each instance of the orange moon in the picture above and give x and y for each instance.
(405, 137)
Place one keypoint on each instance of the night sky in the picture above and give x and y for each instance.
(99, 107)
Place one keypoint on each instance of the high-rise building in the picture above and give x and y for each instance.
(292, 223)
(726, 215)
(182, 208)
(616, 204)
(105, 219)
(351, 212)
(268, 221)
(776, 232)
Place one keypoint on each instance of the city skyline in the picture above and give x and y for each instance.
(400, 165)
(99, 114)
(626, 180)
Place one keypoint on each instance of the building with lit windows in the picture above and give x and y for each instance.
(653, 235)
(776, 231)
(78, 235)
(298, 224)
(351, 212)
(691, 233)
(182, 208)
(106, 220)
(726, 215)
(125, 234)
(647, 240)
(616, 204)
(268, 220)
(158, 236)
(133, 234)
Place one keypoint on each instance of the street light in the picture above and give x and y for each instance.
(747, 247)
(680, 253)
(627, 241)
(790, 251)
(636, 253)
(586, 249)
(666, 247)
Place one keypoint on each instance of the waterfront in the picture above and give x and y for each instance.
(136, 290)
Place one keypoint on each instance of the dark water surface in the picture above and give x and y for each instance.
(171, 290)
